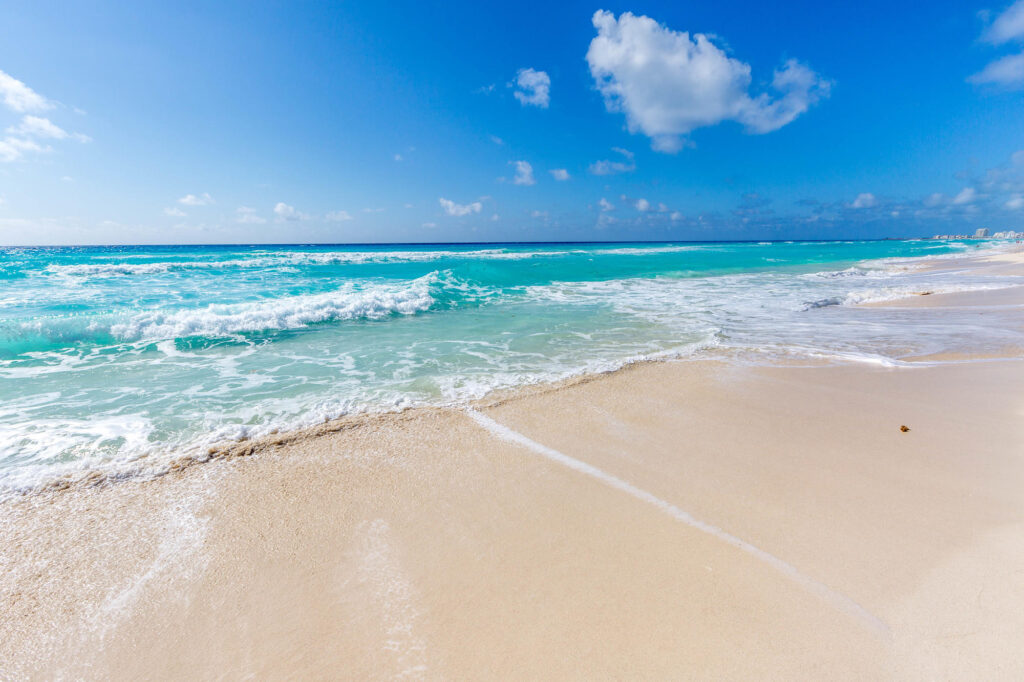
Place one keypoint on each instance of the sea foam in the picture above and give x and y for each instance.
(123, 358)
(373, 302)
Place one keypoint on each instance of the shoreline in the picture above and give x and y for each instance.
(1008, 261)
(638, 523)
(666, 504)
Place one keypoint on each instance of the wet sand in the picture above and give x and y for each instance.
(684, 520)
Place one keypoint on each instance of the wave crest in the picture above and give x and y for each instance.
(294, 312)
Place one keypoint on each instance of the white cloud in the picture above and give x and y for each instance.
(609, 167)
(1008, 26)
(35, 126)
(669, 84)
(676, 216)
(248, 216)
(398, 157)
(524, 173)
(203, 199)
(539, 214)
(1007, 72)
(1015, 202)
(19, 97)
(458, 210)
(643, 205)
(21, 138)
(13, 148)
(495, 218)
(338, 216)
(606, 205)
(174, 212)
(933, 200)
(533, 88)
(662, 208)
(966, 196)
(285, 212)
(497, 140)
(429, 225)
(865, 200)
(560, 174)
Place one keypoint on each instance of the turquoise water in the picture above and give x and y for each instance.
(109, 354)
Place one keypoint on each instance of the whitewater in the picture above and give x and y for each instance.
(122, 358)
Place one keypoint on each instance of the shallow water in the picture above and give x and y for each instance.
(111, 353)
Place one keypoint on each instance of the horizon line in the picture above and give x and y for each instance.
(480, 243)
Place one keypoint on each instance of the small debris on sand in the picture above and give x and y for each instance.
(904, 428)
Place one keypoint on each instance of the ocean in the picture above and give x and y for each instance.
(121, 358)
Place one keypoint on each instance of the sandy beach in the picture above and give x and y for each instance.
(702, 519)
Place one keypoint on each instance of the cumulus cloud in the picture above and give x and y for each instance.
(19, 97)
(610, 167)
(284, 212)
(560, 174)
(174, 212)
(933, 200)
(458, 210)
(533, 88)
(248, 216)
(865, 200)
(668, 83)
(966, 196)
(524, 173)
(643, 205)
(203, 199)
(606, 205)
(338, 216)
(1007, 26)
(1015, 202)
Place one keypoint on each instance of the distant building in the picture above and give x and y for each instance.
(981, 232)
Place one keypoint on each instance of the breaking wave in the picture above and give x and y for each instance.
(352, 301)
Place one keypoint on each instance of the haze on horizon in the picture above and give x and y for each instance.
(145, 123)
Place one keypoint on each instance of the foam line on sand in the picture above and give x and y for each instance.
(840, 601)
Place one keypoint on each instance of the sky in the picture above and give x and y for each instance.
(298, 122)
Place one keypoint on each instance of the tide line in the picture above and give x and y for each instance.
(836, 599)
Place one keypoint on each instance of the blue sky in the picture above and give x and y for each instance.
(191, 122)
